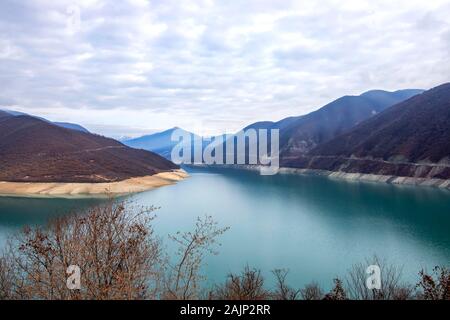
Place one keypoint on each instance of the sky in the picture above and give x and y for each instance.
(127, 68)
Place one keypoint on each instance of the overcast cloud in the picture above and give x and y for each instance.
(130, 67)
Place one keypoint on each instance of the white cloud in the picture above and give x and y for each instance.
(213, 65)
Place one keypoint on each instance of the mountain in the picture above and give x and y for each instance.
(410, 139)
(34, 150)
(160, 143)
(67, 125)
(301, 134)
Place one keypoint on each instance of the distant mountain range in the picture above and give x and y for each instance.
(298, 135)
(67, 125)
(410, 139)
(35, 150)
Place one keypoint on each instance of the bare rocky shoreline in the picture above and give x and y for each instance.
(90, 190)
(428, 182)
(389, 179)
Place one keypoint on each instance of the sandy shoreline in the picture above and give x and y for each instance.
(91, 190)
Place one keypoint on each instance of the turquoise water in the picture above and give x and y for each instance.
(314, 226)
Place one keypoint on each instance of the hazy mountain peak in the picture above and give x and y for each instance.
(380, 91)
(160, 142)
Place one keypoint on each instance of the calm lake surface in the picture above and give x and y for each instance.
(314, 226)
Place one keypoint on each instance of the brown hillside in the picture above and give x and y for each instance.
(33, 150)
(410, 139)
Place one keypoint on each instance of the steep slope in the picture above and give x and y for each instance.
(302, 134)
(34, 150)
(410, 139)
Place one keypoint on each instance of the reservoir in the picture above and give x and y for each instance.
(314, 226)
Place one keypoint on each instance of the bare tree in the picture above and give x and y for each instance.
(435, 286)
(7, 277)
(391, 286)
(182, 281)
(114, 247)
(283, 291)
(312, 291)
(249, 285)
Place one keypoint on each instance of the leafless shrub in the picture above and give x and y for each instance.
(114, 247)
(117, 252)
(405, 292)
(391, 286)
(435, 286)
(183, 279)
(283, 291)
(312, 291)
(120, 258)
(249, 285)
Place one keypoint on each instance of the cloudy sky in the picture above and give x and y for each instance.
(136, 66)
